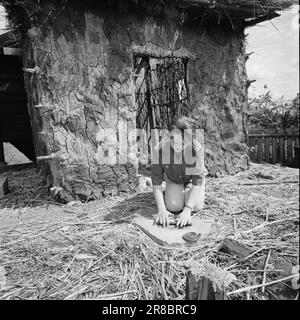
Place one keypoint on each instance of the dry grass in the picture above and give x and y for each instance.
(27, 188)
(75, 254)
(277, 4)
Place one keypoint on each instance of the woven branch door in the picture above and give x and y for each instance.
(161, 92)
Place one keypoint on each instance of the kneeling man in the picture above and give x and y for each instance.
(180, 161)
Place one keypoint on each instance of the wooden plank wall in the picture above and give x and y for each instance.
(274, 148)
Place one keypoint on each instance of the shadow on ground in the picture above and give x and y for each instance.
(125, 209)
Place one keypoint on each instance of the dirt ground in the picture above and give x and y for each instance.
(93, 251)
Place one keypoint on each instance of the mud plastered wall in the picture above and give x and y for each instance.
(218, 82)
(84, 85)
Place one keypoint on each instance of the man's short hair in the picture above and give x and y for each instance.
(181, 123)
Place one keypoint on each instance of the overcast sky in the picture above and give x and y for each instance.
(276, 58)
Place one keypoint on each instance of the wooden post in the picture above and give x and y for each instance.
(282, 150)
(297, 147)
(254, 154)
(289, 148)
(207, 282)
(274, 150)
(252, 150)
(150, 110)
(186, 82)
(255, 150)
(267, 150)
(260, 149)
(148, 96)
(202, 289)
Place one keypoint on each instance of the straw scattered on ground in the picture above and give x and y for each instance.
(54, 251)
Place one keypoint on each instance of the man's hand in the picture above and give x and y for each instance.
(184, 218)
(163, 217)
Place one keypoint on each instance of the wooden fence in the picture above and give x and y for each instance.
(274, 148)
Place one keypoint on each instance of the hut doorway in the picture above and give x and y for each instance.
(15, 126)
(161, 92)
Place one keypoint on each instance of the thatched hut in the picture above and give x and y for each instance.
(89, 68)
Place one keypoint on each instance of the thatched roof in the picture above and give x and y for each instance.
(239, 8)
(242, 12)
(249, 11)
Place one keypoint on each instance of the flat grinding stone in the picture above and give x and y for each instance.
(171, 235)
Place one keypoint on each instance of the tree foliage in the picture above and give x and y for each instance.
(267, 115)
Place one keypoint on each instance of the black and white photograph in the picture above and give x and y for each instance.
(149, 151)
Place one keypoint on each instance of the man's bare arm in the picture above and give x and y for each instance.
(163, 213)
(159, 197)
(185, 217)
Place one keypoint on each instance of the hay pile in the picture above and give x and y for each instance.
(26, 187)
(52, 251)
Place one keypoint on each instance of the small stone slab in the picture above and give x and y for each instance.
(171, 235)
(3, 186)
(233, 247)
